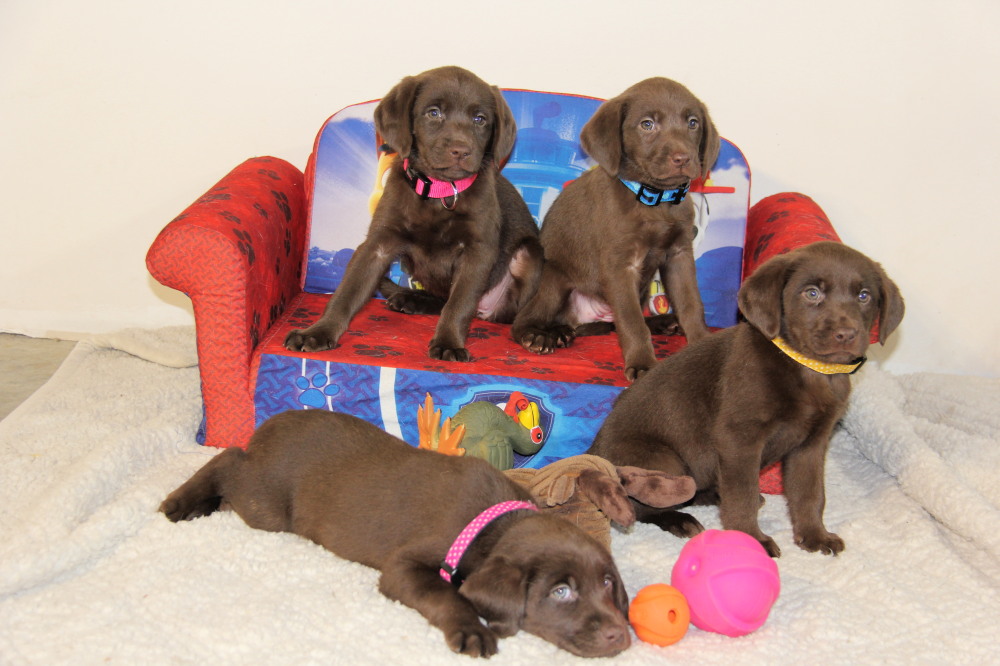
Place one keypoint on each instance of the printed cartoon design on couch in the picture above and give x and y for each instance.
(493, 431)
(349, 170)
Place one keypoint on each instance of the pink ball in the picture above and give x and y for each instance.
(729, 581)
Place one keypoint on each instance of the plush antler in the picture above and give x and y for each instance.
(591, 492)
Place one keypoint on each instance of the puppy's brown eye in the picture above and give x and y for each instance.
(479, 119)
(647, 125)
(865, 296)
(693, 123)
(434, 113)
(608, 581)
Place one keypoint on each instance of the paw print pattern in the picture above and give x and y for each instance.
(376, 351)
(303, 317)
(255, 330)
(273, 175)
(481, 333)
(275, 311)
(245, 244)
(282, 202)
(316, 390)
(215, 195)
(762, 245)
(261, 210)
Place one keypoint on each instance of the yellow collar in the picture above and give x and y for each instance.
(819, 366)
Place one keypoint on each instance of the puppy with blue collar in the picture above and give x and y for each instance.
(612, 229)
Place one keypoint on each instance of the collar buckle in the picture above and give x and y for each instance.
(415, 179)
(648, 195)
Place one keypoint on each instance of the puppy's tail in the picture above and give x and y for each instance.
(203, 493)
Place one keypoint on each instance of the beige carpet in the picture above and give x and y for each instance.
(90, 573)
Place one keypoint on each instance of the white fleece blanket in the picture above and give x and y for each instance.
(90, 573)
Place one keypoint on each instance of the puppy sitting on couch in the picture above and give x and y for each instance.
(612, 228)
(459, 228)
(770, 388)
(454, 538)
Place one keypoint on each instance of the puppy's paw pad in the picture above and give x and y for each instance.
(770, 546)
(547, 340)
(634, 372)
(826, 543)
(473, 641)
(171, 508)
(678, 523)
(306, 340)
(458, 354)
(665, 324)
(414, 302)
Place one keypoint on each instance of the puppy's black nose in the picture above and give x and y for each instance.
(845, 334)
(460, 152)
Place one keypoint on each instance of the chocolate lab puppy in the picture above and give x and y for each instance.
(610, 230)
(460, 228)
(770, 388)
(371, 498)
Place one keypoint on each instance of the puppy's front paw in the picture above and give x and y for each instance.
(310, 339)
(472, 640)
(820, 541)
(415, 302)
(677, 523)
(665, 324)
(178, 507)
(546, 340)
(633, 372)
(447, 353)
(770, 546)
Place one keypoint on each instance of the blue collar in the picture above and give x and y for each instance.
(650, 196)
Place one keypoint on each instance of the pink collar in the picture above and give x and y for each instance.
(429, 188)
(472, 530)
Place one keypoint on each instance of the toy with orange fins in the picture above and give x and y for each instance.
(483, 430)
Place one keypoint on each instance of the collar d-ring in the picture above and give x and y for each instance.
(454, 197)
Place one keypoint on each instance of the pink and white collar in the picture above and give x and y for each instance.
(431, 188)
(450, 564)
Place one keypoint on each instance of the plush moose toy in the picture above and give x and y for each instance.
(592, 493)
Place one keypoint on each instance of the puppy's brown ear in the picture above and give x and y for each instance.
(499, 591)
(760, 296)
(601, 137)
(891, 306)
(394, 116)
(504, 129)
(708, 150)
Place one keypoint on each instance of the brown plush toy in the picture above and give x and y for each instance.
(591, 492)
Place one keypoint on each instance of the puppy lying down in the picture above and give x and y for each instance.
(414, 514)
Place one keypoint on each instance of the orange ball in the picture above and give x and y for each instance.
(659, 614)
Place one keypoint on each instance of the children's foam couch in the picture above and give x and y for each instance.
(261, 251)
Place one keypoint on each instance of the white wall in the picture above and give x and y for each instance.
(115, 115)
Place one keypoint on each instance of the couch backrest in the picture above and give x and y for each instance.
(345, 172)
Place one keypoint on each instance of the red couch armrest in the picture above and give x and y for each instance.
(775, 225)
(783, 222)
(237, 252)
